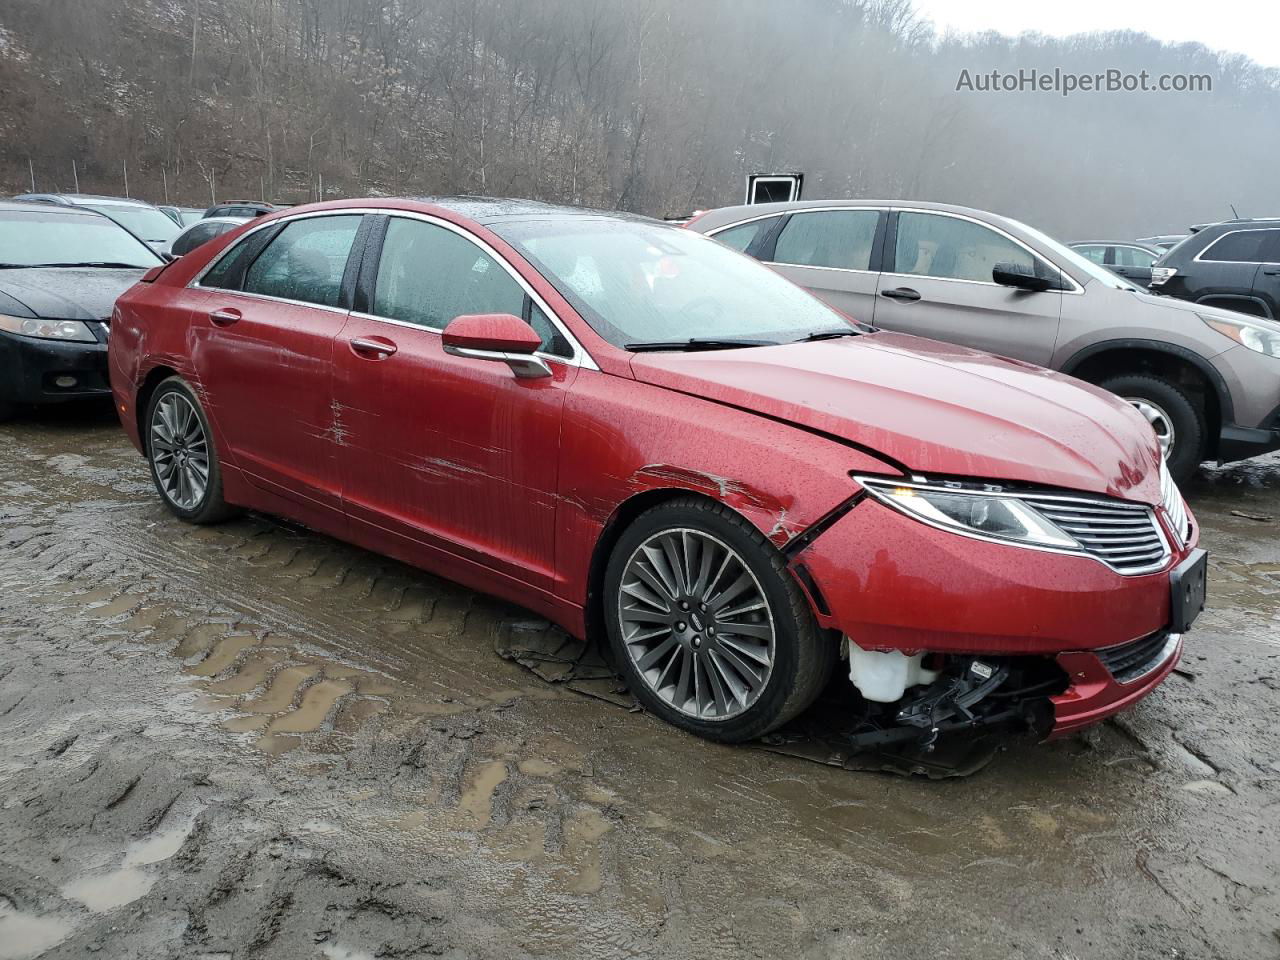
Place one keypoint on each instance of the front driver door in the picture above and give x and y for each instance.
(937, 283)
(450, 454)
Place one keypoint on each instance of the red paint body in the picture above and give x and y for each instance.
(508, 485)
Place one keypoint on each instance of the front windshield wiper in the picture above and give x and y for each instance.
(697, 343)
(83, 263)
(830, 334)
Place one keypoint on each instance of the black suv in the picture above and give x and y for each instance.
(1234, 264)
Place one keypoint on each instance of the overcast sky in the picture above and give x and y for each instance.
(1251, 27)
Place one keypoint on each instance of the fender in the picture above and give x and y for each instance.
(1160, 346)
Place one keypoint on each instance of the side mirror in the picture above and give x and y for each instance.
(1016, 275)
(497, 336)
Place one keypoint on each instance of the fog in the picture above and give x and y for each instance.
(659, 106)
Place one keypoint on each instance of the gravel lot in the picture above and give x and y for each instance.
(251, 741)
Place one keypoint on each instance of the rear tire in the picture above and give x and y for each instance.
(729, 578)
(180, 450)
(1155, 396)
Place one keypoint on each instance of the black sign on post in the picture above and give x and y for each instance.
(773, 187)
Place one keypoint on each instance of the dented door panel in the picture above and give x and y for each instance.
(454, 453)
(268, 378)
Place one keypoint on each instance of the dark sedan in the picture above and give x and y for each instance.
(61, 269)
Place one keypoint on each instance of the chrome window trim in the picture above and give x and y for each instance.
(269, 299)
(1076, 289)
(869, 484)
(581, 358)
(1199, 257)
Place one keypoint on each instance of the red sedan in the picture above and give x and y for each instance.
(646, 436)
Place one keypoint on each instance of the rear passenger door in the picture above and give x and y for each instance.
(263, 350)
(1266, 283)
(1132, 263)
(1224, 272)
(937, 283)
(835, 254)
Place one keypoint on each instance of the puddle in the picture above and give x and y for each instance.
(24, 935)
(477, 799)
(336, 951)
(107, 891)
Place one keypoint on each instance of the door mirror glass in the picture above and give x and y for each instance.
(1019, 275)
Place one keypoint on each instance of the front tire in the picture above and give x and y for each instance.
(710, 630)
(1177, 420)
(180, 450)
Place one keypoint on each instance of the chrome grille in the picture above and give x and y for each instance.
(1174, 505)
(1125, 536)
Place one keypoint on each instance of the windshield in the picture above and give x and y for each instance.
(191, 216)
(640, 283)
(38, 237)
(1062, 252)
(146, 222)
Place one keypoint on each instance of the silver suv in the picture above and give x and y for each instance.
(1207, 379)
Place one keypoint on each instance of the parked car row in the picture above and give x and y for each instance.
(648, 437)
(1205, 378)
(170, 231)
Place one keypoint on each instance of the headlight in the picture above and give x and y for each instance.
(1258, 336)
(72, 330)
(995, 515)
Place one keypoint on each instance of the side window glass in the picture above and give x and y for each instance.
(428, 275)
(553, 341)
(305, 261)
(828, 238)
(1271, 247)
(1092, 252)
(1240, 246)
(1134, 257)
(184, 245)
(953, 249)
(225, 272)
(741, 236)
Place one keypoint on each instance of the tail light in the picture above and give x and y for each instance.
(1161, 275)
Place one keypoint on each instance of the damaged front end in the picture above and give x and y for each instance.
(917, 698)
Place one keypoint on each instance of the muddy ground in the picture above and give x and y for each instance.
(250, 741)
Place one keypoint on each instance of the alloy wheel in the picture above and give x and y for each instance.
(696, 624)
(180, 451)
(1160, 422)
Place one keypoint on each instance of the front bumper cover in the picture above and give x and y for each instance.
(30, 368)
(892, 583)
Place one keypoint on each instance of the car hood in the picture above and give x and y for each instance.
(69, 293)
(933, 407)
(1165, 302)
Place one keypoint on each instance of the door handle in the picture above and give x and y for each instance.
(1271, 271)
(381, 349)
(905, 294)
(225, 317)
